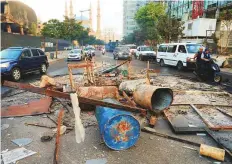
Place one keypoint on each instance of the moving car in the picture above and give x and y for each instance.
(92, 49)
(16, 61)
(178, 54)
(145, 52)
(121, 53)
(75, 54)
(133, 48)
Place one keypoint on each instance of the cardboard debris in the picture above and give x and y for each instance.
(22, 141)
(16, 154)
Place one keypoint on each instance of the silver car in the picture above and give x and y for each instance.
(75, 54)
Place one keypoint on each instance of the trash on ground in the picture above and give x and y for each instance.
(62, 130)
(5, 126)
(97, 161)
(22, 141)
(32, 108)
(213, 152)
(14, 155)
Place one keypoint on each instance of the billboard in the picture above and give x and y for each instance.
(198, 8)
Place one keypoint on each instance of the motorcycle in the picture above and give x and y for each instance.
(211, 71)
(89, 55)
(103, 52)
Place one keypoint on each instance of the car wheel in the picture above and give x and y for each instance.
(162, 63)
(16, 74)
(180, 66)
(43, 69)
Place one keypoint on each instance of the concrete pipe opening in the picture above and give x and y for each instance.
(161, 99)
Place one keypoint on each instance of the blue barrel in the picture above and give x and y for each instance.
(119, 129)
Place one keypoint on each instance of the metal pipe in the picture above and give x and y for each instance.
(152, 97)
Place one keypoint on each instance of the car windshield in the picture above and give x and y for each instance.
(89, 48)
(132, 47)
(146, 49)
(10, 54)
(123, 49)
(76, 51)
(193, 48)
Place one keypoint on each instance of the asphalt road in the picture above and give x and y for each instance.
(60, 67)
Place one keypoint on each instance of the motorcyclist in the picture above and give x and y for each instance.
(89, 55)
(198, 59)
(205, 57)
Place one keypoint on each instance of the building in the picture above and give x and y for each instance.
(200, 13)
(87, 22)
(16, 17)
(129, 10)
(130, 7)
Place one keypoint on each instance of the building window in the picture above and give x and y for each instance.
(190, 26)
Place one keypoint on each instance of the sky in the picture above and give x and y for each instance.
(111, 11)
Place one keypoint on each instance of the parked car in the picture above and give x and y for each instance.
(16, 61)
(121, 53)
(178, 54)
(92, 49)
(145, 52)
(76, 54)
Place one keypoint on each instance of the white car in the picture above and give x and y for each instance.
(145, 52)
(75, 54)
(178, 54)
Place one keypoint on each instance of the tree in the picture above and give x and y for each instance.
(226, 20)
(147, 18)
(169, 28)
(155, 26)
(33, 29)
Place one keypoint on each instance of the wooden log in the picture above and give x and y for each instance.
(213, 152)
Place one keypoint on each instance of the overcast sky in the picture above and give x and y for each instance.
(111, 11)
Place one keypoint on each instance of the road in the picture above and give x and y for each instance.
(60, 67)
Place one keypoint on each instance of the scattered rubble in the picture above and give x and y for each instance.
(188, 106)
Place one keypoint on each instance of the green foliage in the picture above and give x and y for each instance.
(53, 28)
(155, 26)
(69, 29)
(33, 28)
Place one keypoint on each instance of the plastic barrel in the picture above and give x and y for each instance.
(119, 129)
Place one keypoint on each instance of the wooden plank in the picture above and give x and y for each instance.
(209, 124)
(224, 112)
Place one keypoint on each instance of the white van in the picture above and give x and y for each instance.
(177, 54)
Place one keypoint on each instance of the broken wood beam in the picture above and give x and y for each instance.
(209, 124)
(63, 95)
(153, 131)
(132, 103)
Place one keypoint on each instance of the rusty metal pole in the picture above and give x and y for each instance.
(57, 146)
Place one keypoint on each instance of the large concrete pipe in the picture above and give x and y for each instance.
(153, 98)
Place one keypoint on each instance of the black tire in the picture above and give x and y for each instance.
(180, 66)
(217, 79)
(162, 63)
(140, 57)
(43, 68)
(16, 74)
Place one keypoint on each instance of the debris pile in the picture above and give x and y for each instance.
(118, 101)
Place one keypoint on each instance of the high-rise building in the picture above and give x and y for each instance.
(130, 7)
(71, 14)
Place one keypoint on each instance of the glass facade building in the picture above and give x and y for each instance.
(179, 8)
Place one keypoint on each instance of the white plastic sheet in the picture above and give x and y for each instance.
(79, 128)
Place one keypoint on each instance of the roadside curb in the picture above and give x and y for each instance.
(55, 60)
